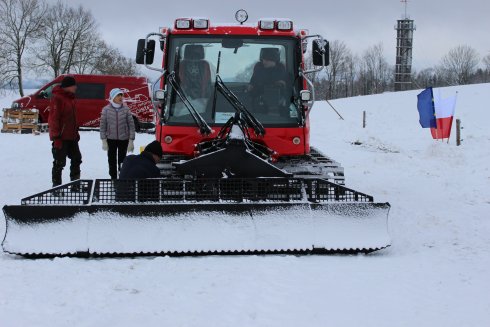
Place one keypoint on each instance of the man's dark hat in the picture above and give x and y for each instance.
(155, 148)
(68, 81)
(269, 54)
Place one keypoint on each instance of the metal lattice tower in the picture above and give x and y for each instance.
(404, 42)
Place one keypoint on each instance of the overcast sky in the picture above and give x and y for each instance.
(440, 24)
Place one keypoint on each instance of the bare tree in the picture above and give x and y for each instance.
(375, 69)
(339, 56)
(486, 62)
(364, 79)
(112, 62)
(51, 51)
(69, 31)
(458, 65)
(337, 65)
(426, 77)
(86, 60)
(21, 24)
(486, 68)
(6, 72)
(351, 73)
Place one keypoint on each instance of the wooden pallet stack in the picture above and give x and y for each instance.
(20, 120)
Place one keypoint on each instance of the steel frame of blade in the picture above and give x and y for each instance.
(195, 228)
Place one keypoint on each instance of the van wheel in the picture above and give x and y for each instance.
(137, 126)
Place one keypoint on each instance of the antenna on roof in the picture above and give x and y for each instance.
(406, 4)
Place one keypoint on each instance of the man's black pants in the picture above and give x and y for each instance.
(71, 150)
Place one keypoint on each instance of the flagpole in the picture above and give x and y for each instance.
(437, 125)
(453, 116)
(437, 128)
(435, 116)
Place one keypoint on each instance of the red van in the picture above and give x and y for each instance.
(93, 94)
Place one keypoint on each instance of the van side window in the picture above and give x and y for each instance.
(90, 91)
(47, 92)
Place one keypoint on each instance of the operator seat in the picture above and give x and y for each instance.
(194, 72)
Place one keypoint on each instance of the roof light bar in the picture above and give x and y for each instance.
(183, 23)
(201, 23)
(266, 24)
(285, 25)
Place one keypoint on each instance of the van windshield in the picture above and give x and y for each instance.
(261, 72)
(47, 92)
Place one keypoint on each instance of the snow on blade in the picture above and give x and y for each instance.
(333, 227)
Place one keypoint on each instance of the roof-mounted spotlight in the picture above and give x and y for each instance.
(266, 24)
(284, 25)
(241, 16)
(183, 23)
(201, 23)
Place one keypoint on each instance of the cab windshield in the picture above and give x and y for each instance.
(261, 72)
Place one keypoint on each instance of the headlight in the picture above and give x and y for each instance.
(305, 95)
(159, 95)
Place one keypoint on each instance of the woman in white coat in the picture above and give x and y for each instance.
(116, 131)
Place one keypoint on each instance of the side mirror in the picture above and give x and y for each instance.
(143, 53)
(320, 50)
(42, 95)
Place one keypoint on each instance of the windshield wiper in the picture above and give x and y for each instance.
(204, 128)
(244, 114)
(250, 119)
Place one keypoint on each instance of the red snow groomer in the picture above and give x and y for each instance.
(238, 174)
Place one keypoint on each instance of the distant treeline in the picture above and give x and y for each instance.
(350, 75)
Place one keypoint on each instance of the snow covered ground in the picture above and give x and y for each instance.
(437, 272)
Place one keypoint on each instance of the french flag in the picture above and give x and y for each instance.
(444, 112)
(425, 106)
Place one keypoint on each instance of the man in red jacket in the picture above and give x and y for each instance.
(63, 130)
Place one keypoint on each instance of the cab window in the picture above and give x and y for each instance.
(269, 94)
(90, 91)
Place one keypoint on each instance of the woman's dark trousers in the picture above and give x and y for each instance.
(116, 154)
